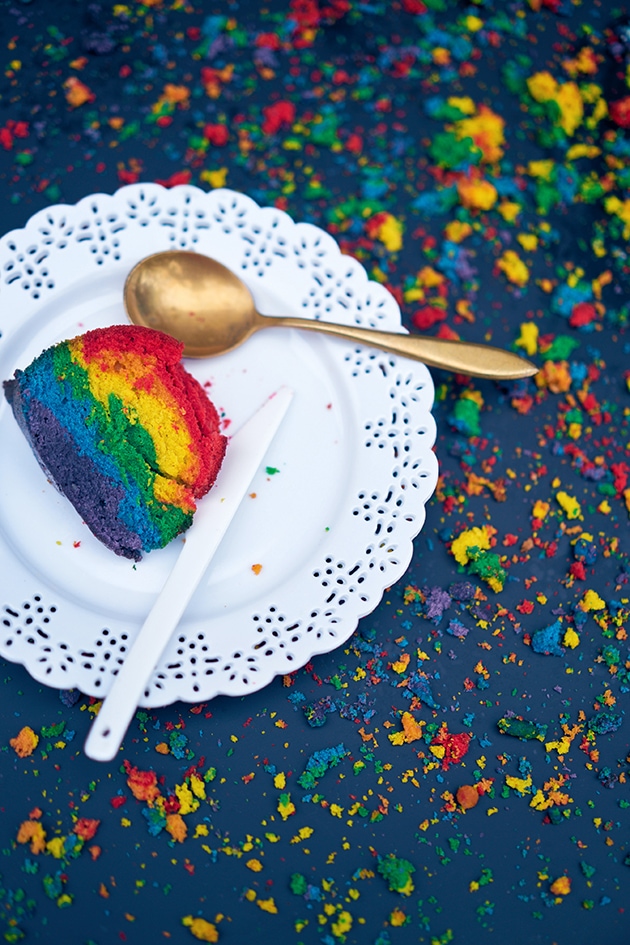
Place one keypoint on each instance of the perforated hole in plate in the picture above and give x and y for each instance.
(27, 622)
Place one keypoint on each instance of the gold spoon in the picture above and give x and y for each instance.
(202, 303)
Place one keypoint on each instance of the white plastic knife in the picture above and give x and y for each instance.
(245, 452)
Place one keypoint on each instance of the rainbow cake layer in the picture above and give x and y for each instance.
(123, 431)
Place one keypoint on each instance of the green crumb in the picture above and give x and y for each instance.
(465, 417)
(298, 884)
(397, 873)
(519, 728)
(560, 349)
(53, 731)
(487, 566)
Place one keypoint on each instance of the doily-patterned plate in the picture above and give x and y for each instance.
(332, 515)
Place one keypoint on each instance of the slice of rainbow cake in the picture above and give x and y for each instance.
(123, 431)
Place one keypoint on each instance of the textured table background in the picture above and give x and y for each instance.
(458, 772)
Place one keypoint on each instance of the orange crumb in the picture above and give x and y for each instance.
(25, 742)
(467, 796)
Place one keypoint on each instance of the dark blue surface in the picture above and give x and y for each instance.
(315, 823)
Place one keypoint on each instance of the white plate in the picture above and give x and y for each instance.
(324, 536)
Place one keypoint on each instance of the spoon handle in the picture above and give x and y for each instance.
(245, 453)
(462, 357)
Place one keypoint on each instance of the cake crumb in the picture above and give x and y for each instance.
(25, 742)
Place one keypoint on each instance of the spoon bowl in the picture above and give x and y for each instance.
(207, 307)
(193, 298)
